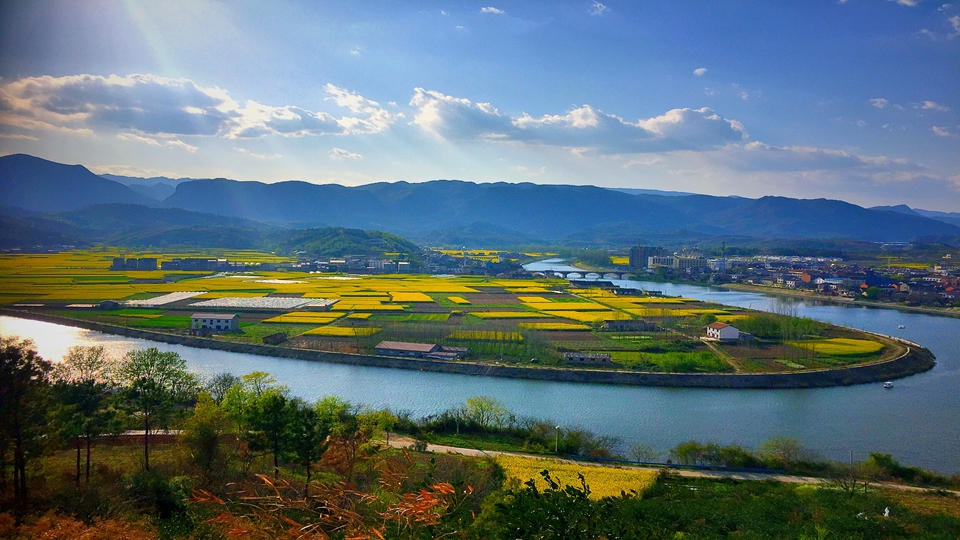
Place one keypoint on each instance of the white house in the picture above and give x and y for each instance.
(722, 331)
(215, 322)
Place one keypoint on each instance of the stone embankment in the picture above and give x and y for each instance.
(915, 359)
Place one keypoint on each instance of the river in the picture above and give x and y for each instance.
(918, 421)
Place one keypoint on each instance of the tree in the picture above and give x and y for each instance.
(487, 411)
(154, 384)
(268, 419)
(645, 453)
(202, 431)
(24, 385)
(783, 451)
(83, 390)
(307, 435)
(218, 385)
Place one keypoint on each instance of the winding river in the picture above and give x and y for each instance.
(918, 421)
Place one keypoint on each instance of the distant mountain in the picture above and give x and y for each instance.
(952, 218)
(340, 242)
(138, 181)
(144, 227)
(103, 220)
(545, 211)
(450, 212)
(36, 184)
(478, 235)
(637, 191)
(157, 192)
(26, 233)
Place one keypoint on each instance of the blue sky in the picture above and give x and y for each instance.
(856, 100)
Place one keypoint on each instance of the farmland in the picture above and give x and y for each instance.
(508, 321)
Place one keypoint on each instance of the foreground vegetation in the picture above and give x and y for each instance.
(249, 460)
(513, 321)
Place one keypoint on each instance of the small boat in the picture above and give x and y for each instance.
(888, 384)
(901, 327)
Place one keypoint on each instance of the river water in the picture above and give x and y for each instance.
(918, 421)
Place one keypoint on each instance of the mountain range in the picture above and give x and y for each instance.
(448, 212)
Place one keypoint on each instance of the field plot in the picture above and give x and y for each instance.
(337, 331)
(262, 302)
(510, 321)
(603, 481)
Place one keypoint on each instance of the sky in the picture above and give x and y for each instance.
(857, 100)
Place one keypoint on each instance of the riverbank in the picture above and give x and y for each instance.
(774, 291)
(915, 360)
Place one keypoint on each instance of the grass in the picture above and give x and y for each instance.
(603, 481)
(164, 321)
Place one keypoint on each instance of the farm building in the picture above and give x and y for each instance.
(215, 322)
(722, 331)
(586, 358)
(420, 350)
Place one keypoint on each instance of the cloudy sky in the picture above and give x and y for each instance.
(856, 100)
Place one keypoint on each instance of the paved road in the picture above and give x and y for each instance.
(399, 441)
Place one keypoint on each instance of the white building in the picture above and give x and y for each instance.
(215, 322)
(722, 331)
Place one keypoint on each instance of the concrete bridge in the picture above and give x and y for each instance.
(587, 275)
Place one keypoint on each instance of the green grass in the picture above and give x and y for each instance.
(164, 321)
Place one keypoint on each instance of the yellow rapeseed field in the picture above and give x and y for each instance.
(296, 317)
(410, 297)
(336, 331)
(604, 481)
(554, 326)
(840, 346)
(486, 335)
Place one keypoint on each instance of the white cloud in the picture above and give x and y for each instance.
(596, 8)
(159, 106)
(932, 105)
(168, 141)
(491, 9)
(699, 72)
(940, 131)
(17, 136)
(908, 3)
(258, 156)
(879, 102)
(955, 23)
(340, 153)
(583, 128)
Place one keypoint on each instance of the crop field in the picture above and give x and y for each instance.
(840, 346)
(604, 481)
(338, 331)
(619, 260)
(554, 326)
(504, 320)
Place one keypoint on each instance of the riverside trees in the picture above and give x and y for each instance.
(155, 384)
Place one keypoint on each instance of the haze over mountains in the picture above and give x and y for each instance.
(439, 211)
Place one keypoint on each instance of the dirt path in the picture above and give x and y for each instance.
(400, 441)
